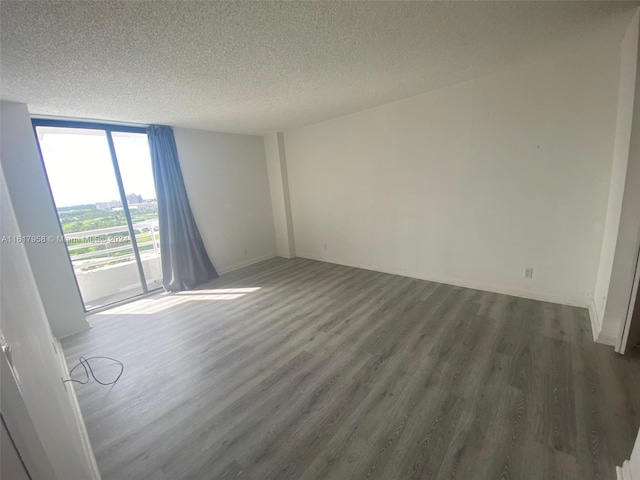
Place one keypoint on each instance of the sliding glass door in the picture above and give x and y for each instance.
(102, 184)
(134, 161)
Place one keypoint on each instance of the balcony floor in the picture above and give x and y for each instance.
(121, 296)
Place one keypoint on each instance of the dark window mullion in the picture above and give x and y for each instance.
(46, 122)
(125, 208)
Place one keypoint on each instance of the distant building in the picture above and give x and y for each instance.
(108, 205)
(132, 198)
(150, 206)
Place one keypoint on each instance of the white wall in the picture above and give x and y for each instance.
(35, 211)
(38, 362)
(280, 199)
(11, 466)
(23, 433)
(616, 309)
(630, 469)
(471, 183)
(226, 180)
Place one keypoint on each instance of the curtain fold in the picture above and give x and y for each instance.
(185, 262)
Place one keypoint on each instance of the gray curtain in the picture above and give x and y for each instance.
(185, 263)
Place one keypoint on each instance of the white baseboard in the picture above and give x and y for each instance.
(624, 472)
(606, 339)
(572, 302)
(596, 325)
(246, 263)
(596, 328)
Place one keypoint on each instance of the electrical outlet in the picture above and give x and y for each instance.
(528, 272)
(245, 250)
(325, 246)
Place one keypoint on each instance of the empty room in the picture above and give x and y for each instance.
(320, 240)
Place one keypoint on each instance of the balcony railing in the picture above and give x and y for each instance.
(111, 245)
(105, 265)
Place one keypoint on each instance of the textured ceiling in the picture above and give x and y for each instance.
(255, 67)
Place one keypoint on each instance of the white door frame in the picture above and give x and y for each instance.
(621, 344)
(630, 469)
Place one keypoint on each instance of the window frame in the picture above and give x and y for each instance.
(108, 128)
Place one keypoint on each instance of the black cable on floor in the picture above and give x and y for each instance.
(84, 362)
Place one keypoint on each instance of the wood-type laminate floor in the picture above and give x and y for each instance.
(298, 369)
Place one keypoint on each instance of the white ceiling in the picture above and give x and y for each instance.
(255, 67)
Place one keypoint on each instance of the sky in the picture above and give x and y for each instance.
(79, 166)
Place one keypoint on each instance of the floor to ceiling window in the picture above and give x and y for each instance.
(102, 185)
